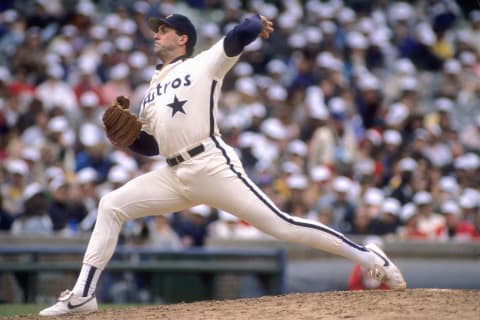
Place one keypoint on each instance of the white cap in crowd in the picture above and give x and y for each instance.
(409, 83)
(452, 66)
(341, 184)
(450, 207)
(276, 92)
(86, 175)
(469, 198)
(17, 166)
(291, 167)
(297, 181)
(449, 184)
(397, 113)
(368, 82)
(365, 167)
(273, 128)
(373, 197)
(404, 66)
(201, 210)
(89, 99)
(400, 11)
(210, 30)
(243, 69)
(320, 173)
(54, 172)
(31, 190)
(468, 161)
(31, 154)
(392, 137)
(58, 124)
(297, 40)
(422, 198)
(444, 104)
(119, 71)
(356, 40)
(276, 66)
(374, 137)
(391, 205)
(407, 211)
(246, 86)
(98, 32)
(55, 71)
(407, 164)
(137, 60)
(118, 174)
(91, 134)
(298, 147)
(57, 183)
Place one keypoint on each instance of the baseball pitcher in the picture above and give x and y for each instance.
(178, 121)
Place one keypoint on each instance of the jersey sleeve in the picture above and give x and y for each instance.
(216, 60)
(225, 53)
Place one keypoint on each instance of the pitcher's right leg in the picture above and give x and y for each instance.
(153, 193)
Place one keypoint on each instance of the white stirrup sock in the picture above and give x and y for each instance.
(86, 281)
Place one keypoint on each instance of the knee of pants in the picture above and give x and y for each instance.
(109, 208)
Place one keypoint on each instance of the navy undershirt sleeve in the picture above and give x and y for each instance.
(145, 145)
(242, 35)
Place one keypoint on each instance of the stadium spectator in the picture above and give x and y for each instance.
(6, 220)
(192, 225)
(16, 179)
(430, 223)
(456, 228)
(34, 218)
(343, 209)
(161, 234)
(387, 223)
(64, 207)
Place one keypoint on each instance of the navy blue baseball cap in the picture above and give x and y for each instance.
(179, 23)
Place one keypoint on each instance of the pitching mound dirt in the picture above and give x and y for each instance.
(437, 304)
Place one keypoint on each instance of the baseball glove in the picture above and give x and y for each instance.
(121, 126)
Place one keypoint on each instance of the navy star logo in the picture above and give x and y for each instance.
(177, 106)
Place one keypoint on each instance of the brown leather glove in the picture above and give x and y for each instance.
(121, 126)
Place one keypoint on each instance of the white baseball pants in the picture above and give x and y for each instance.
(215, 178)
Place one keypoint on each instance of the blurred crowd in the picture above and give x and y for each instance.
(362, 115)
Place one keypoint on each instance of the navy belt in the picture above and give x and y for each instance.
(173, 161)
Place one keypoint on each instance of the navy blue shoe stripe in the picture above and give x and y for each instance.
(385, 261)
(73, 306)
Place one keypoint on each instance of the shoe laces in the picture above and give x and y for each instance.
(65, 295)
(376, 273)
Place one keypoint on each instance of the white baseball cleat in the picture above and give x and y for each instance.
(69, 303)
(384, 269)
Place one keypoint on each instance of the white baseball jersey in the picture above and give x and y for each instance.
(178, 109)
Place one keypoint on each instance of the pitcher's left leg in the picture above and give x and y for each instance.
(234, 192)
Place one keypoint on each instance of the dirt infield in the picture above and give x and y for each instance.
(437, 304)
